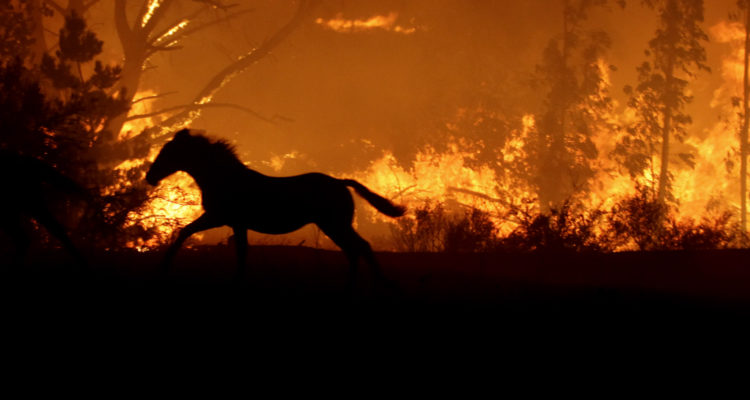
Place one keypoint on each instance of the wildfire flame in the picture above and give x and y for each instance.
(151, 9)
(455, 177)
(384, 22)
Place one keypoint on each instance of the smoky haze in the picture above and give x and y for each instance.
(340, 99)
(334, 89)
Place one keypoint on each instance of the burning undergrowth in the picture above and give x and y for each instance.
(576, 174)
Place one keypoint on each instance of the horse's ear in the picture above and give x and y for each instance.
(183, 133)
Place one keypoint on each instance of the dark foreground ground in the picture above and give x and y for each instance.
(293, 301)
(452, 312)
(303, 282)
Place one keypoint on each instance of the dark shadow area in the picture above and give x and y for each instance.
(297, 285)
(31, 189)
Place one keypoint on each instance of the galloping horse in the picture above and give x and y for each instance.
(238, 197)
(24, 181)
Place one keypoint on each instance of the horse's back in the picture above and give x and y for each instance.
(283, 204)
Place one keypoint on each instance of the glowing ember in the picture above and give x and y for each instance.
(166, 38)
(152, 6)
(384, 22)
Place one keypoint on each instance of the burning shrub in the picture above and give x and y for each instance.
(565, 228)
(641, 222)
(637, 221)
(433, 229)
(424, 232)
(710, 233)
(472, 232)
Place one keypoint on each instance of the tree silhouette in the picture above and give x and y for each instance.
(90, 98)
(675, 56)
(560, 153)
(144, 37)
(57, 111)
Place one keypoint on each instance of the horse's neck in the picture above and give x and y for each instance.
(214, 176)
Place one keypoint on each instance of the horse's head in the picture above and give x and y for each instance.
(171, 158)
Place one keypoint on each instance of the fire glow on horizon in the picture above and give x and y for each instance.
(454, 176)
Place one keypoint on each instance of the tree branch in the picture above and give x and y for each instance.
(253, 56)
(193, 107)
(185, 32)
(156, 96)
(89, 4)
(60, 9)
(153, 49)
(174, 23)
(124, 32)
(156, 16)
(216, 4)
(235, 68)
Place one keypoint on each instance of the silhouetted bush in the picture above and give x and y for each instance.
(433, 229)
(566, 228)
(641, 222)
(638, 221)
(716, 233)
(635, 222)
(424, 232)
(472, 232)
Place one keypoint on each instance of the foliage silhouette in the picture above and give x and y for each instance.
(675, 55)
(433, 229)
(56, 110)
(563, 228)
(635, 222)
(560, 154)
(642, 222)
(30, 190)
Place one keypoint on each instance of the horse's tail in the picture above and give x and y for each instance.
(379, 202)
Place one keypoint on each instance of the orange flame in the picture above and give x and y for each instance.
(455, 178)
(384, 22)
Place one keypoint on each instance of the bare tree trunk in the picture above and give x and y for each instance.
(40, 43)
(134, 45)
(234, 69)
(666, 132)
(670, 102)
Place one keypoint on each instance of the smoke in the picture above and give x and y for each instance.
(367, 81)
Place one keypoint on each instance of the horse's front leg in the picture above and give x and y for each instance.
(203, 223)
(240, 242)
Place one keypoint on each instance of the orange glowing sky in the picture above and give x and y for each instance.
(365, 82)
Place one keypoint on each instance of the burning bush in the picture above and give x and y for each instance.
(433, 229)
(635, 222)
(424, 232)
(565, 228)
(474, 231)
(641, 222)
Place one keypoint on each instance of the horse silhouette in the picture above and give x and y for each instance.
(25, 181)
(241, 198)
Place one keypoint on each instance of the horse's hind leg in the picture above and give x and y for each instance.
(345, 237)
(354, 246)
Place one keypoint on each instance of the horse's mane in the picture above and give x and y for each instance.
(219, 149)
